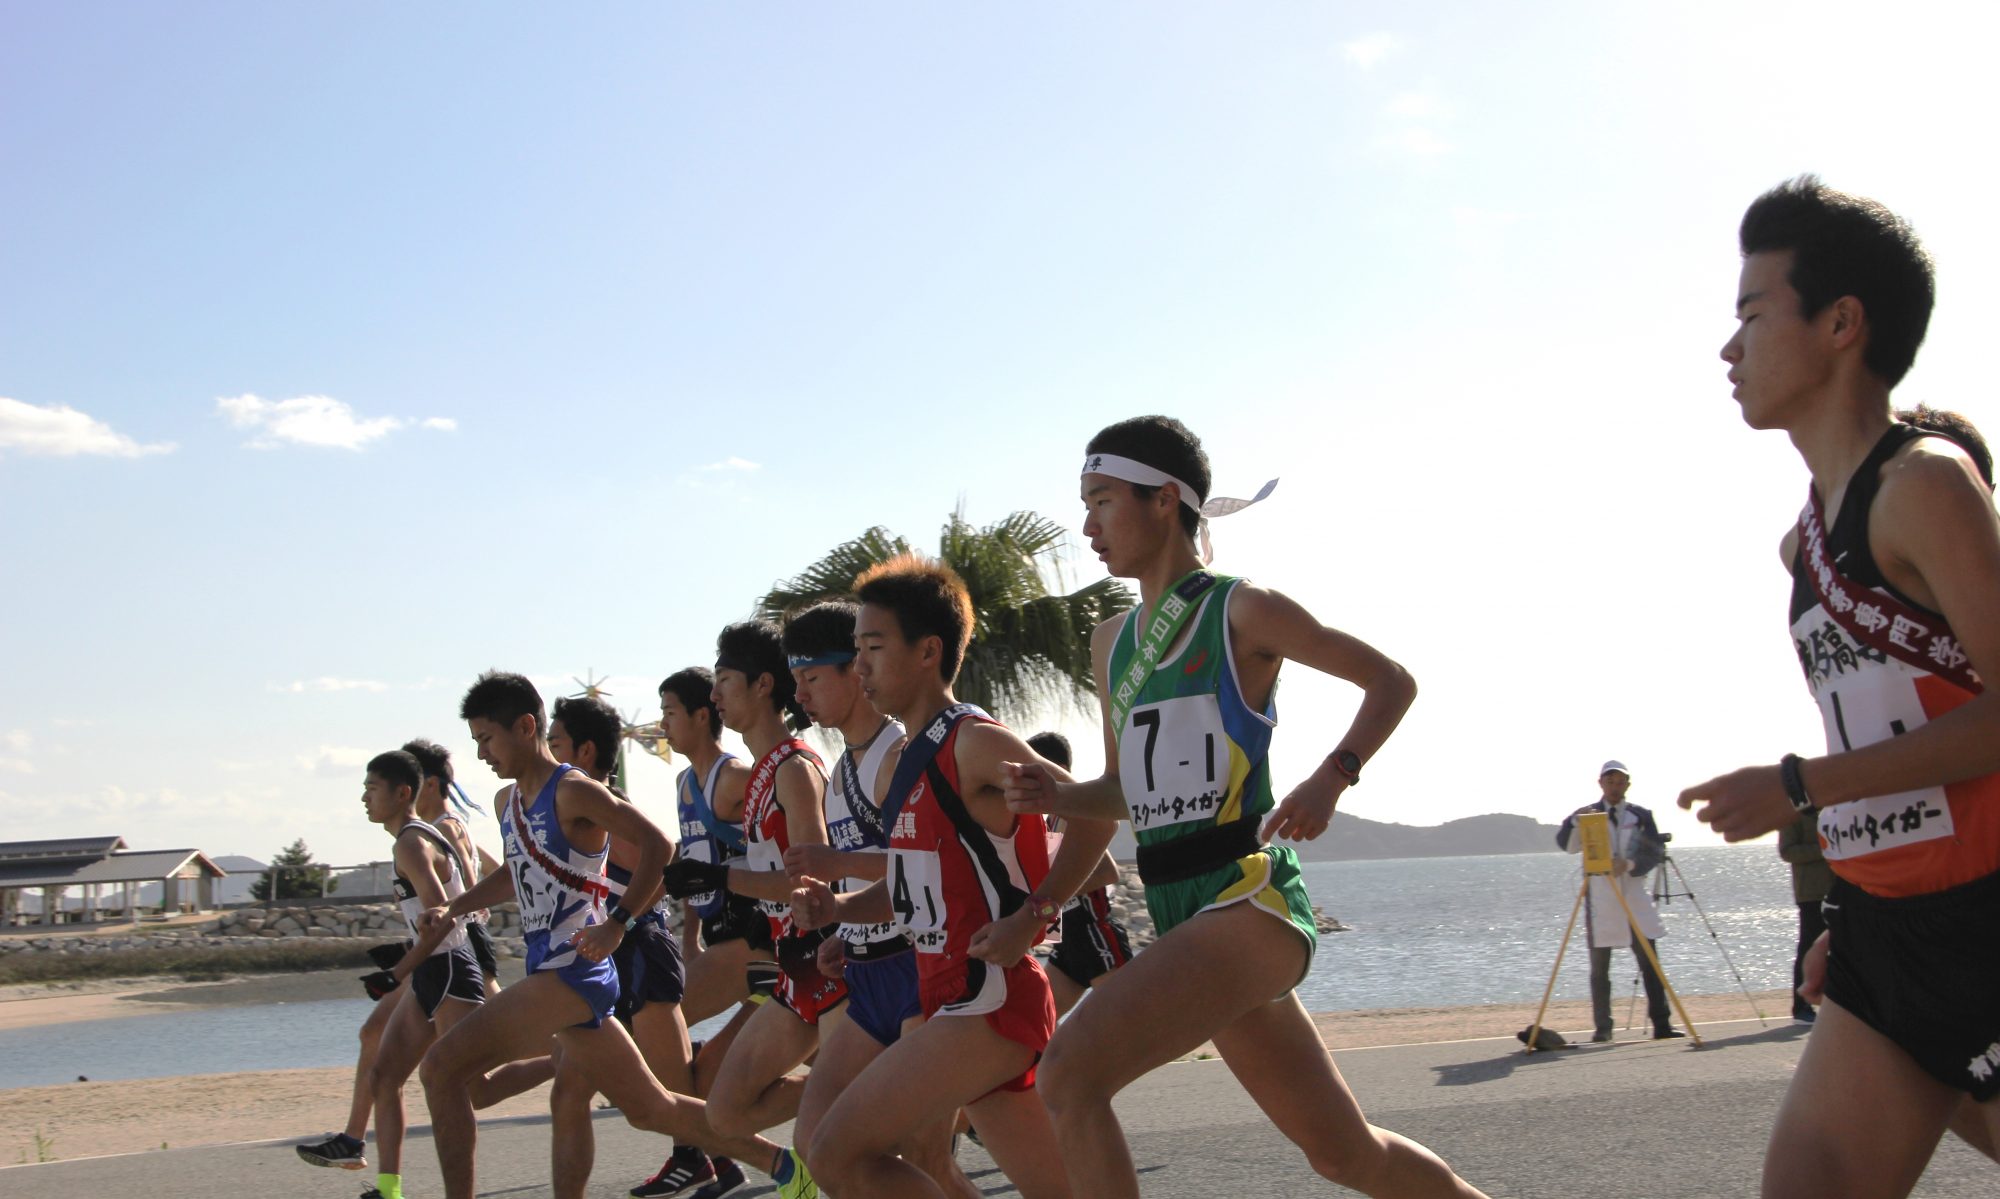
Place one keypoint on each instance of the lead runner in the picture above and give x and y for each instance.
(1185, 760)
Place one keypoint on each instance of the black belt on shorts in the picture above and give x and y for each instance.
(1198, 853)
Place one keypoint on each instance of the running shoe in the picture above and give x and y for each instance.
(797, 1182)
(728, 1176)
(688, 1167)
(338, 1150)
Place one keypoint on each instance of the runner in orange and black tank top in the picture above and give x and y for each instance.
(1917, 842)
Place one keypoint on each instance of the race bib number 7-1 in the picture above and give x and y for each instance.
(1173, 762)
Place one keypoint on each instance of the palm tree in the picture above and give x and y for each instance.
(1030, 646)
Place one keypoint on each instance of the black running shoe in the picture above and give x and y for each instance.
(688, 1167)
(728, 1176)
(339, 1150)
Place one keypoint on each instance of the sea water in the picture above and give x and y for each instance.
(1425, 932)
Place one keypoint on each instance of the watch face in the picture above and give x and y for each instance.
(1349, 762)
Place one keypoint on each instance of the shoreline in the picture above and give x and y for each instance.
(94, 1119)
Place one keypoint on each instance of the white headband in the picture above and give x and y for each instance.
(1134, 471)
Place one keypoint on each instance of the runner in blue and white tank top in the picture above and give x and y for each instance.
(556, 843)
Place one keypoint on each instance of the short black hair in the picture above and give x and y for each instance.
(435, 760)
(503, 698)
(695, 688)
(825, 628)
(1053, 746)
(590, 721)
(756, 647)
(1845, 245)
(1955, 426)
(929, 600)
(1162, 443)
(398, 768)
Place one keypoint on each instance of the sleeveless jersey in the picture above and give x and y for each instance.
(704, 837)
(853, 821)
(765, 833)
(466, 869)
(454, 886)
(561, 889)
(1919, 841)
(949, 877)
(1192, 754)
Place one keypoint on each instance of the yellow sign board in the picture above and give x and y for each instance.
(1595, 829)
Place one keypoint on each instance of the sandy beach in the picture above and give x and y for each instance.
(90, 1119)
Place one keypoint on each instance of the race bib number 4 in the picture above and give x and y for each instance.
(916, 892)
(1173, 761)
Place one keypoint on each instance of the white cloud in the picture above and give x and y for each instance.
(1369, 49)
(327, 684)
(17, 740)
(731, 463)
(1417, 142)
(59, 431)
(17, 765)
(335, 761)
(304, 420)
(442, 424)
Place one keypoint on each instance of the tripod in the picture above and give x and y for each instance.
(1595, 830)
(1663, 894)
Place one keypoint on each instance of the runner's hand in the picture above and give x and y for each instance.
(1812, 972)
(685, 878)
(833, 958)
(816, 861)
(1746, 804)
(595, 943)
(813, 904)
(380, 983)
(433, 919)
(1007, 940)
(1028, 787)
(1308, 810)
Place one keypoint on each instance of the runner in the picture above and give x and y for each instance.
(1091, 941)
(345, 1149)
(876, 961)
(585, 732)
(445, 982)
(974, 885)
(1895, 613)
(556, 824)
(1185, 760)
(783, 806)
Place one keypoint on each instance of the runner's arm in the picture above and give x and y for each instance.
(1269, 627)
(582, 799)
(869, 905)
(732, 784)
(1030, 788)
(1105, 875)
(1936, 518)
(497, 887)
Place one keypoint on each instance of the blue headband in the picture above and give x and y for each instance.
(832, 657)
(462, 801)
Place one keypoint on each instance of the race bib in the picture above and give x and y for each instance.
(1173, 762)
(699, 849)
(916, 892)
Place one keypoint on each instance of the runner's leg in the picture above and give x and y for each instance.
(1276, 1053)
(514, 1024)
(715, 1051)
(717, 978)
(572, 1141)
(943, 1065)
(1067, 990)
(1198, 979)
(364, 1088)
(1827, 1141)
(754, 1089)
(402, 1046)
(845, 1051)
(1978, 1125)
(929, 1149)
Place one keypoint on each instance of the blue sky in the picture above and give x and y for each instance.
(346, 351)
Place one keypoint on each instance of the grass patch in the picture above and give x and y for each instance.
(196, 963)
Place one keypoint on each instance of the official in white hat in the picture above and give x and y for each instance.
(1636, 849)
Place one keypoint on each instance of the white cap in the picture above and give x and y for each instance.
(1614, 764)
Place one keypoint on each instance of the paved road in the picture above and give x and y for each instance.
(1547, 1127)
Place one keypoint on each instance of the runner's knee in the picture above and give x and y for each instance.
(1066, 1081)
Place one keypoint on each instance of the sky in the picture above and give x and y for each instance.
(347, 351)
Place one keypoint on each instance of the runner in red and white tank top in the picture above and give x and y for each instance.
(767, 833)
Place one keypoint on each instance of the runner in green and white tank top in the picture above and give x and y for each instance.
(1194, 760)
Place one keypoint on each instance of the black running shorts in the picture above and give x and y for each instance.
(739, 920)
(481, 942)
(649, 967)
(1093, 942)
(452, 973)
(1924, 971)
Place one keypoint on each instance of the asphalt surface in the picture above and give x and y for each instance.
(1636, 1120)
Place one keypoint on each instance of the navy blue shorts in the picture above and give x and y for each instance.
(649, 967)
(597, 982)
(882, 993)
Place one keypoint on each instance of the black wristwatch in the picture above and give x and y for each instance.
(622, 917)
(1795, 783)
(1347, 762)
